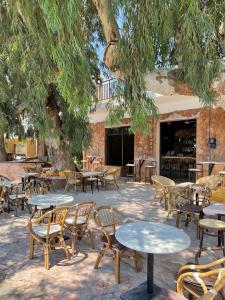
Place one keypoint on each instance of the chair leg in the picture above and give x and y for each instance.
(99, 258)
(116, 184)
(46, 255)
(31, 254)
(63, 244)
(74, 239)
(117, 266)
(178, 220)
(136, 261)
(201, 242)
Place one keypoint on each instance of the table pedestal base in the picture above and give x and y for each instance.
(140, 293)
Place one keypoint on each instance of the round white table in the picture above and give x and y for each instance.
(151, 238)
(50, 199)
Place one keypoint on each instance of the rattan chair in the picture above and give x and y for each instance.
(160, 184)
(202, 281)
(3, 193)
(110, 178)
(47, 230)
(77, 223)
(73, 179)
(107, 219)
(192, 209)
(212, 182)
(18, 195)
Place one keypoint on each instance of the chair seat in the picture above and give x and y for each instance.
(19, 196)
(130, 165)
(194, 170)
(222, 172)
(109, 177)
(151, 167)
(70, 220)
(212, 224)
(73, 181)
(42, 230)
(92, 179)
(115, 242)
(192, 208)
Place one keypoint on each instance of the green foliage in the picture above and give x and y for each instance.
(55, 42)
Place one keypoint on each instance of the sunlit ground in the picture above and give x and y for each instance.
(21, 278)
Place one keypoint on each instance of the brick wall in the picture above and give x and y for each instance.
(148, 145)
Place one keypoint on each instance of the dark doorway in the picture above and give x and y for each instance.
(178, 148)
(119, 146)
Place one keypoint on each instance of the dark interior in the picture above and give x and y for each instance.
(178, 148)
(119, 146)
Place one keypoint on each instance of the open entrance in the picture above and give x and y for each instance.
(119, 146)
(177, 148)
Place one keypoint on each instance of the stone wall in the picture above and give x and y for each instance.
(149, 145)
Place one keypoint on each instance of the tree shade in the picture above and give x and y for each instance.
(55, 43)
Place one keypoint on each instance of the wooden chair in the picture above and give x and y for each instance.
(47, 230)
(77, 221)
(195, 172)
(18, 195)
(110, 177)
(3, 193)
(160, 184)
(150, 170)
(107, 218)
(192, 209)
(73, 178)
(202, 281)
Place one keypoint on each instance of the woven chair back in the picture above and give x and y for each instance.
(161, 180)
(81, 210)
(212, 182)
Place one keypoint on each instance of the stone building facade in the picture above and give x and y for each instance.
(209, 123)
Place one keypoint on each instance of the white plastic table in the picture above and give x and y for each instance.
(50, 199)
(211, 164)
(215, 209)
(151, 238)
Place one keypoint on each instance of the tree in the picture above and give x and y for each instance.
(154, 44)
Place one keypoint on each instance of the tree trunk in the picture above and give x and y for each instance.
(161, 81)
(3, 154)
(58, 153)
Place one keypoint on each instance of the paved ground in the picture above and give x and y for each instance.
(21, 278)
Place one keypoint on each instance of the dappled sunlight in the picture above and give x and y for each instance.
(77, 278)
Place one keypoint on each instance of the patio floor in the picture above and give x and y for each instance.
(21, 278)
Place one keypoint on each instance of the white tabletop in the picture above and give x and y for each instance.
(214, 209)
(89, 174)
(25, 175)
(151, 237)
(212, 162)
(51, 199)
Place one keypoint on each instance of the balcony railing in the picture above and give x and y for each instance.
(107, 90)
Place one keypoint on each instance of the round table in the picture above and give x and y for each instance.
(151, 238)
(50, 199)
(215, 209)
(7, 183)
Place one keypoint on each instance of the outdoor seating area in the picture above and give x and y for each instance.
(89, 225)
(112, 150)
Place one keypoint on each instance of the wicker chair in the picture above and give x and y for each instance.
(107, 218)
(212, 182)
(18, 195)
(3, 193)
(73, 178)
(76, 223)
(47, 230)
(192, 209)
(110, 177)
(202, 281)
(160, 184)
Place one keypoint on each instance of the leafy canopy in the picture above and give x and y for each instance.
(53, 41)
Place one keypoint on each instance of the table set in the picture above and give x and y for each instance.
(50, 200)
(150, 238)
(90, 174)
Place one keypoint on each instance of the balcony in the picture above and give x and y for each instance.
(108, 89)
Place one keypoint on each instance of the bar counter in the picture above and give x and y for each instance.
(176, 167)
